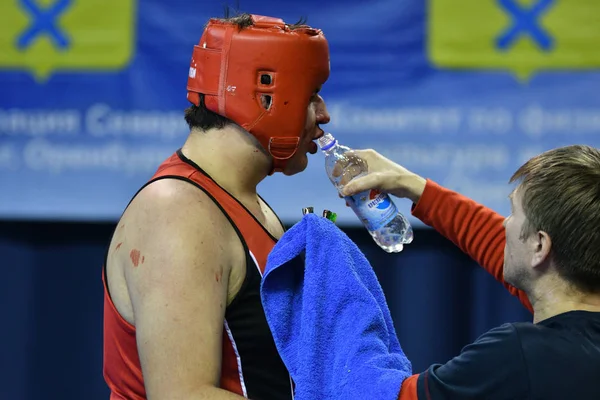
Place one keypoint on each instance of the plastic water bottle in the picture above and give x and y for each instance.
(376, 210)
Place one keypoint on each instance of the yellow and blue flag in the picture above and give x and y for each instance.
(523, 36)
(43, 36)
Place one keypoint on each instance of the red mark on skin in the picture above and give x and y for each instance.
(219, 275)
(135, 257)
(118, 246)
(143, 258)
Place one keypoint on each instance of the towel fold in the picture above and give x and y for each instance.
(329, 317)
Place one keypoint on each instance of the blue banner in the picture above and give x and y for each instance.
(92, 94)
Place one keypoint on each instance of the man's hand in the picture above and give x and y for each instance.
(386, 176)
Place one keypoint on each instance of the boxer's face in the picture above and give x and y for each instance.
(317, 115)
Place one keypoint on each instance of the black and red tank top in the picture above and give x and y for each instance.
(251, 365)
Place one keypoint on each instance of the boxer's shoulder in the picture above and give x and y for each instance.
(171, 226)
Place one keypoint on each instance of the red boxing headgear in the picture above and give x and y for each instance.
(236, 68)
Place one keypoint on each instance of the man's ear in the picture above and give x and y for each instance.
(540, 247)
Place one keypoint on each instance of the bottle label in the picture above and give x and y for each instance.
(373, 208)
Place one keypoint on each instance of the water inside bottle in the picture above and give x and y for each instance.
(341, 168)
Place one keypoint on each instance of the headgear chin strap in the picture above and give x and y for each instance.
(262, 77)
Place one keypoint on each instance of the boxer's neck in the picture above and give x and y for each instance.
(231, 156)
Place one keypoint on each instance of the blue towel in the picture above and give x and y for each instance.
(329, 317)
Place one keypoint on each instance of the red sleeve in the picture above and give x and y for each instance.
(475, 229)
(409, 388)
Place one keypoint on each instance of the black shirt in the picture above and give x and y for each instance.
(558, 358)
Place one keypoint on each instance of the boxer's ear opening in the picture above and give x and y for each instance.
(266, 101)
(266, 79)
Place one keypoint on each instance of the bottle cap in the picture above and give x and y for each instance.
(330, 215)
(326, 141)
(308, 210)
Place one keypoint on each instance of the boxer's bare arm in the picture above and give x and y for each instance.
(182, 249)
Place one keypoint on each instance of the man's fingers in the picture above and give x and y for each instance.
(364, 154)
(341, 197)
(360, 184)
